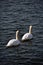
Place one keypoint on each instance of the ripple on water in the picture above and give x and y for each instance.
(18, 15)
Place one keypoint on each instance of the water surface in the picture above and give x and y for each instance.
(19, 15)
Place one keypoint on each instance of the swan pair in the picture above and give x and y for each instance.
(15, 42)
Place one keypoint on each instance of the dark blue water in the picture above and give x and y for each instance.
(18, 15)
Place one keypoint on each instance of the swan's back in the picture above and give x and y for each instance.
(13, 42)
(27, 36)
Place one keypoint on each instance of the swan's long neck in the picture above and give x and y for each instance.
(30, 29)
(17, 35)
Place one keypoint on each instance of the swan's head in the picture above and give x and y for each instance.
(30, 29)
(17, 34)
(30, 26)
(17, 31)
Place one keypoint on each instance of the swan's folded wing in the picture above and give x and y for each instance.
(13, 42)
(25, 36)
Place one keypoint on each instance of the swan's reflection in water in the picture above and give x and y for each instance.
(27, 43)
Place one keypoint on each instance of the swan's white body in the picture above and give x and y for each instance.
(28, 36)
(14, 42)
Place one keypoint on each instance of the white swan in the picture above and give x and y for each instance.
(14, 42)
(28, 35)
